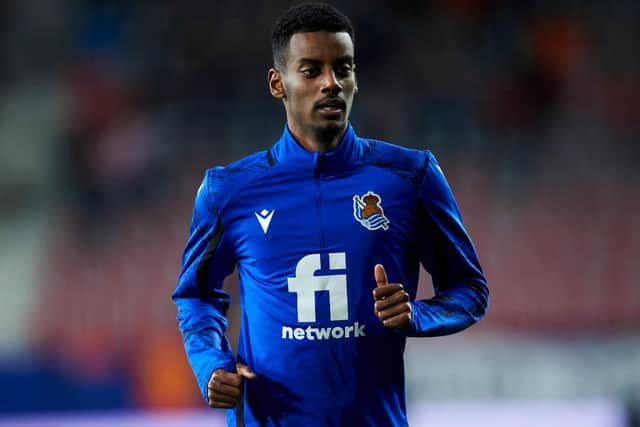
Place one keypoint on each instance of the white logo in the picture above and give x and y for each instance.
(305, 284)
(310, 334)
(367, 210)
(264, 218)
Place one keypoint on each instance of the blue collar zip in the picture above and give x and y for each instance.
(288, 151)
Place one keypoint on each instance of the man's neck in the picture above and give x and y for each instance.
(318, 141)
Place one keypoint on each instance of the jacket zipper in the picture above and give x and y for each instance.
(317, 179)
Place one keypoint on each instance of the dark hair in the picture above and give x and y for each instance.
(306, 18)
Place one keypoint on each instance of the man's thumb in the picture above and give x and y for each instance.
(380, 275)
(245, 371)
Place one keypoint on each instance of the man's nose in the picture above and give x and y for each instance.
(330, 83)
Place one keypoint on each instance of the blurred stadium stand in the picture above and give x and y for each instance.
(110, 111)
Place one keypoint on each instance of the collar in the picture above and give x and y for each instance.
(289, 152)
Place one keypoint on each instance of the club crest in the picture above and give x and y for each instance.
(367, 210)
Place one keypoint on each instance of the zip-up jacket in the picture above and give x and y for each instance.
(305, 230)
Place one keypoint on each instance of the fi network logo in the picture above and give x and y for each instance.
(305, 284)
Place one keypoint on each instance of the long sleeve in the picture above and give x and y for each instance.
(447, 253)
(201, 302)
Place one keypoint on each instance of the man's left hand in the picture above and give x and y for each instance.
(392, 304)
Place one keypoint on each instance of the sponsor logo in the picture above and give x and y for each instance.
(311, 333)
(305, 284)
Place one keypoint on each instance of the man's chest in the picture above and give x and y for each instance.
(281, 218)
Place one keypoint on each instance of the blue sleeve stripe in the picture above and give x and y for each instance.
(202, 272)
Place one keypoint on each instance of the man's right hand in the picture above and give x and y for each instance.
(225, 388)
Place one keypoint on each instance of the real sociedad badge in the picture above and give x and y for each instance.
(367, 210)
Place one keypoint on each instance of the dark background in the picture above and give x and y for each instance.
(110, 111)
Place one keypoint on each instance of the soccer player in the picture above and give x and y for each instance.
(328, 230)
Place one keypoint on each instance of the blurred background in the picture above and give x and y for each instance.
(110, 111)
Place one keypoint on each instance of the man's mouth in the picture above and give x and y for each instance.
(332, 106)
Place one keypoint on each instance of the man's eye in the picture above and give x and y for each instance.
(344, 70)
(309, 72)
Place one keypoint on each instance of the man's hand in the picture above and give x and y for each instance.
(225, 388)
(392, 304)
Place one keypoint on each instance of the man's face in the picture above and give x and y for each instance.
(318, 82)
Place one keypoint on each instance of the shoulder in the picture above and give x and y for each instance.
(408, 162)
(222, 182)
(256, 162)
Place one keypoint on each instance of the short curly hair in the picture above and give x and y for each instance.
(306, 18)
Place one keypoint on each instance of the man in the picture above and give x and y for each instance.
(327, 230)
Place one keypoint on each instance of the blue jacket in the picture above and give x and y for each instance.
(305, 230)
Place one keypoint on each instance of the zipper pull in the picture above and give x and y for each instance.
(320, 160)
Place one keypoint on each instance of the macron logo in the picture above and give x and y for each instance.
(264, 218)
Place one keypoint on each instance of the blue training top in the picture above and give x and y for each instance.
(305, 230)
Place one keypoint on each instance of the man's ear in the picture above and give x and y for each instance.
(355, 78)
(276, 86)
